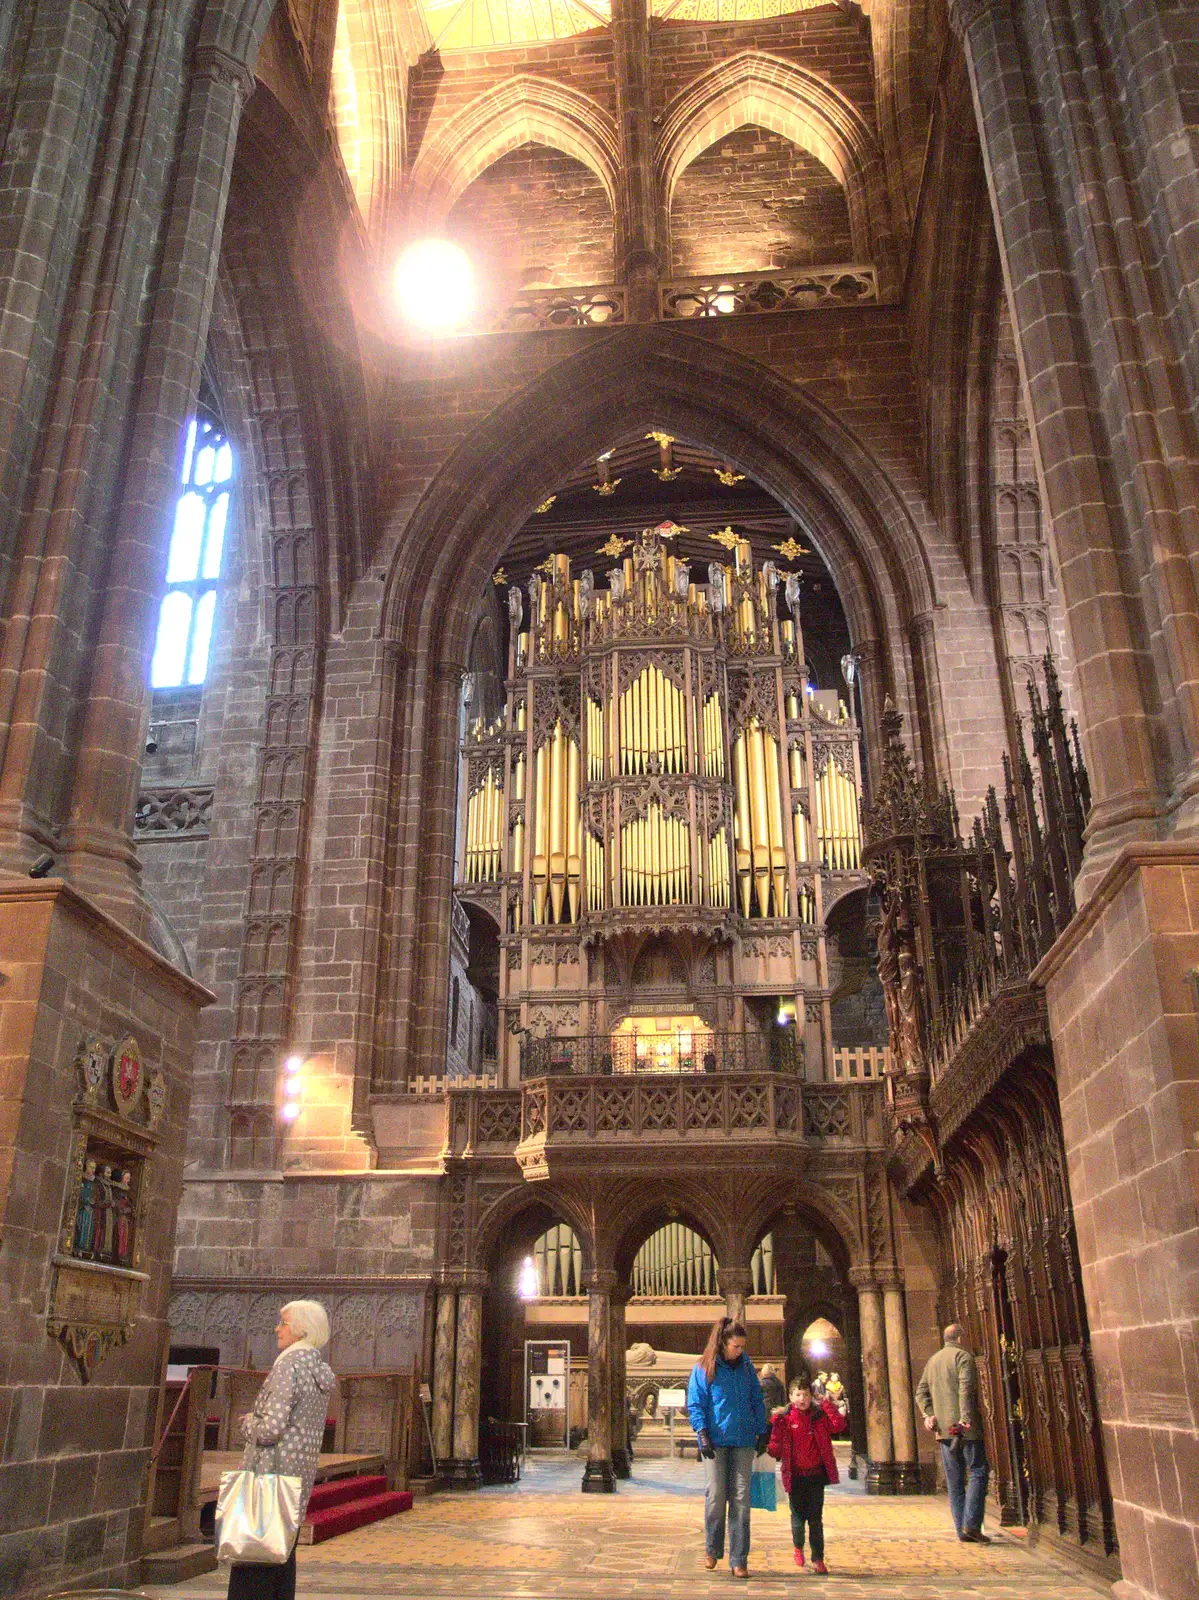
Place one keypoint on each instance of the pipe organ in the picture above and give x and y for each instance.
(661, 769)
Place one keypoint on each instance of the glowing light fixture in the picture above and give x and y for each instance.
(293, 1064)
(434, 284)
(528, 1286)
(290, 1110)
(819, 1349)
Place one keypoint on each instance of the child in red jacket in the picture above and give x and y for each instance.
(801, 1438)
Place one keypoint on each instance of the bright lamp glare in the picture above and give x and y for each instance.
(291, 1087)
(290, 1111)
(819, 1349)
(528, 1285)
(435, 285)
(293, 1064)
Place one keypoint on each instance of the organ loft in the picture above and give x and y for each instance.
(599, 727)
(664, 780)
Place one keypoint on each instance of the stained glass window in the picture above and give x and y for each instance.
(188, 608)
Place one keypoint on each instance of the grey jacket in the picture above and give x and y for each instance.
(283, 1432)
(948, 1391)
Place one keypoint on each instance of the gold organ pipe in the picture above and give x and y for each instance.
(744, 853)
(760, 845)
(573, 863)
(557, 818)
(541, 865)
(518, 848)
(774, 817)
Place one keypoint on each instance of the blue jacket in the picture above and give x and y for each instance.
(731, 1406)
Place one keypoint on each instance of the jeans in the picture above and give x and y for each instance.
(966, 1475)
(807, 1505)
(728, 1485)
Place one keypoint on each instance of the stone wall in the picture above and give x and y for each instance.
(74, 1460)
(375, 1330)
(754, 201)
(1122, 1003)
(536, 219)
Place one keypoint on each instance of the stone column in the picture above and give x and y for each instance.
(933, 739)
(1092, 529)
(599, 1476)
(443, 1373)
(622, 1454)
(464, 1464)
(880, 1473)
(736, 1285)
(899, 1377)
(638, 222)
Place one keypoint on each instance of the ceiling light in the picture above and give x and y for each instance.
(435, 285)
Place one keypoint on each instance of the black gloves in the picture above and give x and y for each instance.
(763, 1441)
(705, 1445)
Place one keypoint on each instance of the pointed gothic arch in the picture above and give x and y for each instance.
(525, 109)
(766, 91)
(442, 559)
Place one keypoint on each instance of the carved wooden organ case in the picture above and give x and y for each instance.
(664, 811)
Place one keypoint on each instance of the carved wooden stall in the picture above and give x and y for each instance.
(973, 1108)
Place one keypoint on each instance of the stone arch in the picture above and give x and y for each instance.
(825, 1213)
(755, 88)
(545, 1204)
(635, 1211)
(524, 109)
(443, 560)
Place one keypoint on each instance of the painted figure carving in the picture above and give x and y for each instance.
(104, 1233)
(122, 1202)
(85, 1214)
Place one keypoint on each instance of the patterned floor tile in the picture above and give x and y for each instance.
(543, 1540)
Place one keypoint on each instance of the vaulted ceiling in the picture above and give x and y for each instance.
(492, 24)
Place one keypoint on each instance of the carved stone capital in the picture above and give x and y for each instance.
(220, 67)
(921, 627)
(604, 1280)
(963, 14)
(865, 1280)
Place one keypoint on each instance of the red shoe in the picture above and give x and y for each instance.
(819, 1566)
(799, 1558)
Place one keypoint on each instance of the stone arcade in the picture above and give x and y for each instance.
(511, 795)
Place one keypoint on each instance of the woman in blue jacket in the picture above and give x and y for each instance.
(728, 1413)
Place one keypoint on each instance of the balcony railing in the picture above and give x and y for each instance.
(606, 1054)
(596, 1117)
(727, 295)
(588, 306)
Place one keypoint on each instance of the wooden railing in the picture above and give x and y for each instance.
(855, 1065)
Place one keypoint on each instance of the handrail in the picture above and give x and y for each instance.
(187, 1383)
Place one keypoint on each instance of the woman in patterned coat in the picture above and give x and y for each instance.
(283, 1432)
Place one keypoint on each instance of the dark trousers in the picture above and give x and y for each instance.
(255, 1582)
(807, 1505)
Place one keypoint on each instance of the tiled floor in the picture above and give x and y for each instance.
(543, 1540)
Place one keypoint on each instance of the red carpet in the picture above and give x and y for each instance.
(348, 1503)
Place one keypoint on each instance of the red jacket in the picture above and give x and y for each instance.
(794, 1429)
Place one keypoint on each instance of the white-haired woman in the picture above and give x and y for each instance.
(283, 1432)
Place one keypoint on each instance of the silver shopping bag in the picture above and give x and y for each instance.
(257, 1517)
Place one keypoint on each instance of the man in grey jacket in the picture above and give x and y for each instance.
(947, 1395)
